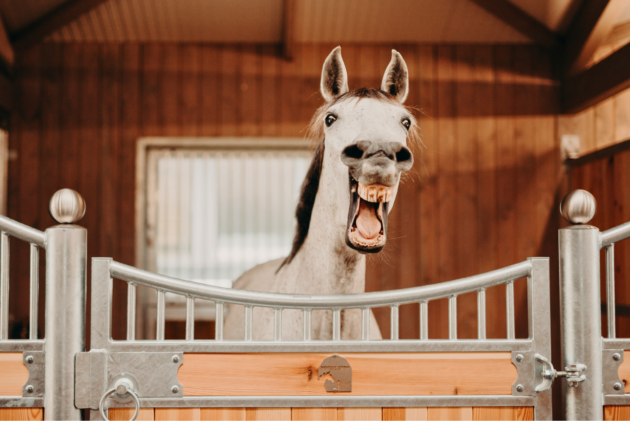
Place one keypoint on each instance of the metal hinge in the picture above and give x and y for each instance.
(574, 374)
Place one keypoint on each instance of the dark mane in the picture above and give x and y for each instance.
(310, 185)
(304, 208)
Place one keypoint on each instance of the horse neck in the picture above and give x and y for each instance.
(325, 264)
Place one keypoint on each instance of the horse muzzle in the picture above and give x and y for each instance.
(374, 170)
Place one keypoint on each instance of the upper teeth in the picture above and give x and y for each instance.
(375, 192)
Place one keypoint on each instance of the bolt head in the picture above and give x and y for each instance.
(519, 358)
(578, 207)
(30, 388)
(520, 388)
(617, 386)
(335, 389)
(175, 358)
(121, 389)
(66, 206)
(30, 359)
(174, 389)
(616, 356)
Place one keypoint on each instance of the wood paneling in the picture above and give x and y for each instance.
(268, 414)
(616, 413)
(399, 414)
(296, 374)
(359, 414)
(14, 373)
(453, 413)
(223, 414)
(124, 414)
(314, 414)
(482, 194)
(524, 413)
(21, 414)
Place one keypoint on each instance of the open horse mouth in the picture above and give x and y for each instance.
(367, 217)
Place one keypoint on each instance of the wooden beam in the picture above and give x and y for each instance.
(619, 33)
(604, 79)
(288, 29)
(6, 49)
(522, 22)
(46, 25)
(588, 31)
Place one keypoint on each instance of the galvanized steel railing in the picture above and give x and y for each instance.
(607, 242)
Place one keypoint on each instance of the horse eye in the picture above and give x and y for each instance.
(330, 119)
(407, 123)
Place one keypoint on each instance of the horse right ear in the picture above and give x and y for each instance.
(334, 76)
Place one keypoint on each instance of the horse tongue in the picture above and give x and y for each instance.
(367, 222)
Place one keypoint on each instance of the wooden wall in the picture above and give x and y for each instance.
(483, 194)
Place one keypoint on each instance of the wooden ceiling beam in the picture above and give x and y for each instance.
(7, 54)
(46, 25)
(522, 22)
(589, 30)
(288, 29)
(597, 83)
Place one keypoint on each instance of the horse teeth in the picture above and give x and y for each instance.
(375, 193)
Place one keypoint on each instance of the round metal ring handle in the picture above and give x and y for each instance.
(122, 388)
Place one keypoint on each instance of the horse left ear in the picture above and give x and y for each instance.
(396, 78)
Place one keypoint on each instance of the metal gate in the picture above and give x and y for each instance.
(383, 374)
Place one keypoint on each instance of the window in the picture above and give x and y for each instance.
(214, 209)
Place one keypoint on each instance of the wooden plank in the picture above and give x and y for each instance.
(597, 83)
(223, 414)
(451, 413)
(172, 414)
(503, 413)
(49, 23)
(589, 30)
(314, 414)
(189, 70)
(522, 22)
(613, 413)
(396, 414)
(21, 414)
(251, 90)
(296, 374)
(359, 414)
(288, 29)
(268, 414)
(14, 374)
(124, 414)
(229, 98)
(7, 55)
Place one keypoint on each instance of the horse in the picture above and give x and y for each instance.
(349, 189)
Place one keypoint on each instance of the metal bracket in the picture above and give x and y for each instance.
(525, 382)
(35, 361)
(154, 375)
(573, 373)
(611, 361)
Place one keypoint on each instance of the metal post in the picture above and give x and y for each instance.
(66, 256)
(580, 310)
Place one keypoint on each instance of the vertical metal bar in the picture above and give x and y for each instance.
(277, 324)
(66, 255)
(509, 306)
(218, 321)
(580, 318)
(159, 329)
(336, 324)
(424, 320)
(452, 317)
(307, 324)
(131, 311)
(34, 296)
(190, 318)
(249, 319)
(481, 314)
(393, 322)
(4, 286)
(365, 324)
(610, 289)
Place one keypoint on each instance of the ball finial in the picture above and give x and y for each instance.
(578, 207)
(67, 206)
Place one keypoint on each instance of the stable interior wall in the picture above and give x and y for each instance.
(483, 192)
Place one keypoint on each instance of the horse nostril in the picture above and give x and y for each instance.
(403, 155)
(353, 151)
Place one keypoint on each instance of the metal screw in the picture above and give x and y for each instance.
(174, 389)
(30, 388)
(175, 358)
(335, 389)
(519, 388)
(30, 359)
(616, 356)
(617, 386)
(519, 358)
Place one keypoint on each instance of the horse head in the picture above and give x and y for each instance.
(365, 134)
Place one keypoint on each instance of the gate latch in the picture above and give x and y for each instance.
(575, 374)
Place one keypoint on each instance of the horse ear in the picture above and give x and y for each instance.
(396, 78)
(334, 76)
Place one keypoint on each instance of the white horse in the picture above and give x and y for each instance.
(349, 189)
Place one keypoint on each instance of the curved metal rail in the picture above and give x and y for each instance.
(607, 240)
(307, 303)
(23, 232)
